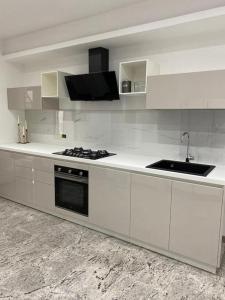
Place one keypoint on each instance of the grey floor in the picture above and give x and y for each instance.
(44, 257)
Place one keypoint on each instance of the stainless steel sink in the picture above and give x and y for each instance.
(182, 167)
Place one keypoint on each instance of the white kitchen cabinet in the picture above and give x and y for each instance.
(195, 90)
(7, 175)
(195, 222)
(109, 199)
(150, 210)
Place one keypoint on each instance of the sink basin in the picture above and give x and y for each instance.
(182, 167)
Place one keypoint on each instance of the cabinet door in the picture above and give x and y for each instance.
(7, 175)
(24, 191)
(24, 98)
(177, 91)
(109, 199)
(16, 97)
(195, 221)
(33, 98)
(150, 210)
(215, 89)
(44, 196)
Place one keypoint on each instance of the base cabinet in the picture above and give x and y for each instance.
(109, 194)
(7, 176)
(150, 210)
(180, 219)
(195, 222)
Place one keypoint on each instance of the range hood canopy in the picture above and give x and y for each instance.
(99, 85)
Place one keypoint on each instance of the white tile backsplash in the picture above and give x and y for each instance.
(147, 132)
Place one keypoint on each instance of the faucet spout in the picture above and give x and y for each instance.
(187, 136)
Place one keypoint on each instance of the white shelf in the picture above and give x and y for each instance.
(133, 94)
(196, 29)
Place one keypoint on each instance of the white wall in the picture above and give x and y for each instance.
(9, 77)
(137, 13)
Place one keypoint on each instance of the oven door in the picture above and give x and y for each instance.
(71, 193)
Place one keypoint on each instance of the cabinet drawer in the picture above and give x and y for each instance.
(44, 177)
(23, 172)
(23, 160)
(43, 164)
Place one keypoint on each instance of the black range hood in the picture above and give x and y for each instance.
(99, 85)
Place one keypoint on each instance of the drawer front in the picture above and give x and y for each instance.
(23, 160)
(43, 164)
(26, 173)
(43, 177)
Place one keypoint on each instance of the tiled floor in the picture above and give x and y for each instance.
(44, 257)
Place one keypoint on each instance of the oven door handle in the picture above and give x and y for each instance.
(72, 178)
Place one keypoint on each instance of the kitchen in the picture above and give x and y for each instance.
(139, 170)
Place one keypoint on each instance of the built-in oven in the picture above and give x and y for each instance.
(71, 189)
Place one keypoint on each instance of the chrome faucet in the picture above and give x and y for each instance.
(188, 155)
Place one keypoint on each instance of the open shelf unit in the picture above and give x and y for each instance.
(192, 30)
(53, 85)
(136, 73)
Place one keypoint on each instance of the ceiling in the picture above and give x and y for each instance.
(18, 17)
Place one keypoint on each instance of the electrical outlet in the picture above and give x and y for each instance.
(63, 136)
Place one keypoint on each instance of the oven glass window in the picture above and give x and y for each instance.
(71, 195)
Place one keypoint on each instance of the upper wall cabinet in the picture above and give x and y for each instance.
(29, 98)
(198, 90)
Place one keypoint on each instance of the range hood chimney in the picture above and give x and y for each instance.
(98, 60)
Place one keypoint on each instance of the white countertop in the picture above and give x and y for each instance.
(122, 160)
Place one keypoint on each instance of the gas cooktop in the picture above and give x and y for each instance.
(79, 152)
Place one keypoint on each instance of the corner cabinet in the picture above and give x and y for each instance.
(195, 230)
(150, 210)
(110, 199)
(29, 98)
(196, 90)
